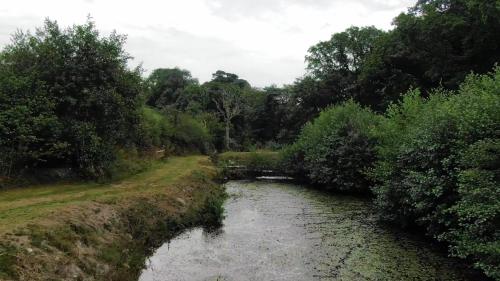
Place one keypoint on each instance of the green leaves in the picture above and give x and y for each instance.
(438, 167)
(337, 148)
(345, 51)
(67, 97)
(430, 162)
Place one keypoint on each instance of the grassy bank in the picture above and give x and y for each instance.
(238, 165)
(92, 231)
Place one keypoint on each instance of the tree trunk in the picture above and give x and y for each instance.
(228, 126)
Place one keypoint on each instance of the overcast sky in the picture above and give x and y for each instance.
(263, 41)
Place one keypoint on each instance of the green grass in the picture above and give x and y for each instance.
(260, 159)
(21, 206)
(105, 230)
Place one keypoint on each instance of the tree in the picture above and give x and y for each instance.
(273, 112)
(336, 64)
(167, 84)
(344, 52)
(229, 105)
(436, 44)
(68, 98)
(229, 78)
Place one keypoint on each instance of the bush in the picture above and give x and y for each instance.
(155, 129)
(336, 149)
(438, 167)
(190, 133)
(477, 211)
(67, 98)
(174, 131)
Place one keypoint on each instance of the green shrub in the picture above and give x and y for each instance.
(191, 133)
(477, 211)
(336, 149)
(174, 131)
(156, 129)
(438, 167)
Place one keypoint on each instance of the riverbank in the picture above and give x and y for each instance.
(90, 231)
(244, 165)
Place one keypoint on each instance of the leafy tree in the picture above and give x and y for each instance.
(194, 99)
(167, 84)
(234, 101)
(436, 43)
(29, 129)
(74, 98)
(333, 66)
(344, 52)
(271, 122)
(229, 78)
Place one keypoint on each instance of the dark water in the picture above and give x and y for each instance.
(276, 231)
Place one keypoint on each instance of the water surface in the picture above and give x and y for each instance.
(277, 231)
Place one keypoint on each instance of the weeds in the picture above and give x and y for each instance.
(7, 261)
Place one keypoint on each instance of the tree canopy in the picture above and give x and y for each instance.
(67, 95)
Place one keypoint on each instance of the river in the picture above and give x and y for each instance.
(278, 231)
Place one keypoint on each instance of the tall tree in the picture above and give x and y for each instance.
(229, 104)
(334, 66)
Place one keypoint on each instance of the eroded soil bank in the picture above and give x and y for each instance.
(103, 232)
(277, 231)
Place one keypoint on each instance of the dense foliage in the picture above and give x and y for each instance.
(167, 85)
(435, 44)
(68, 100)
(176, 132)
(439, 167)
(66, 97)
(336, 149)
(431, 162)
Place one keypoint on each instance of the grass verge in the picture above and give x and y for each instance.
(92, 231)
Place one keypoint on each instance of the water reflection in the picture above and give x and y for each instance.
(276, 231)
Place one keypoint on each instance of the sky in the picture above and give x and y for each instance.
(263, 41)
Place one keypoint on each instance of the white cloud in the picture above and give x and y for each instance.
(263, 41)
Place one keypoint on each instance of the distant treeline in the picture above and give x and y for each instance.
(68, 98)
(435, 44)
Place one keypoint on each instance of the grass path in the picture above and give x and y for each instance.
(25, 205)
